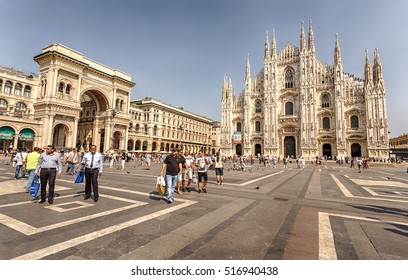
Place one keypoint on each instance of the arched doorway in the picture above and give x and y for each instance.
(290, 146)
(144, 147)
(6, 138)
(327, 150)
(138, 146)
(116, 140)
(355, 150)
(258, 149)
(59, 136)
(92, 119)
(26, 139)
(130, 145)
(238, 150)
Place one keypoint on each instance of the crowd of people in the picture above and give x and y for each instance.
(179, 167)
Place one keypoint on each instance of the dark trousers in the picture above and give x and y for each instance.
(91, 178)
(48, 175)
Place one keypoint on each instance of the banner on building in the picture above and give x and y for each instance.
(237, 137)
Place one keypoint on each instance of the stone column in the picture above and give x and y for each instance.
(75, 132)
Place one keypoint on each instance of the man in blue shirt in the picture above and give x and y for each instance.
(93, 162)
(50, 164)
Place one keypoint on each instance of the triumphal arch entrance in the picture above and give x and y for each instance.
(81, 102)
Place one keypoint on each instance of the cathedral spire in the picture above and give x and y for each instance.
(302, 38)
(367, 70)
(247, 69)
(377, 69)
(267, 52)
(311, 37)
(273, 44)
(337, 53)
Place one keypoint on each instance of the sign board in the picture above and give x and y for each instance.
(237, 137)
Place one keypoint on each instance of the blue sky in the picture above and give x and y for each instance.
(178, 51)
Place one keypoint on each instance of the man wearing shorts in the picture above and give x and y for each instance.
(201, 164)
(188, 170)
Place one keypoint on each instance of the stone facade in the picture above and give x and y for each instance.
(299, 106)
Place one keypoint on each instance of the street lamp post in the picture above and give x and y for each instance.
(113, 114)
(181, 132)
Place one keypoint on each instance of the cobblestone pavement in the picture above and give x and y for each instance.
(319, 212)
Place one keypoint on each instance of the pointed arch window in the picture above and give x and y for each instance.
(326, 123)
(289, 78)
(258, 106)
(288, 109)
(354, 122)
(325, 101)
(239, 127)
(257, 126)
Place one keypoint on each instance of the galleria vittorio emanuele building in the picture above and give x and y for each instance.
(298, 106)
(75, 101)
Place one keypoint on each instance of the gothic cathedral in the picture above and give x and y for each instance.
(299, 106)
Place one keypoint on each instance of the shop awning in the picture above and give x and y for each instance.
(26, 135)
(6, 133)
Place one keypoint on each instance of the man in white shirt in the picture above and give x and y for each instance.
(93, 162)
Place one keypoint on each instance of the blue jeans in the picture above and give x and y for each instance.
(71, 168)
(171, 183)
(30, 179)
(18, 168)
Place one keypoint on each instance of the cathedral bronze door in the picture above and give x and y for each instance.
(327, 150)
(258, 149)
(290, 146)
(356, 150)
(238, 150)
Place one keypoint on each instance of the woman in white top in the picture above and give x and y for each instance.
(219, 169)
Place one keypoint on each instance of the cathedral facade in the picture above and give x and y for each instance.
(299, 106)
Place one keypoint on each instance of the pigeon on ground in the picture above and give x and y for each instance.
(257, 187)
(127, 172)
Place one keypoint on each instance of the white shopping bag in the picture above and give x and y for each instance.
(161, 185)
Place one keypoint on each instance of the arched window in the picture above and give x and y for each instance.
(258, 106)
(145, 129)
(60, 88)
(20, 107)
(3, 104)
(68, 89)
(17, 89)
(7, 87)
(27, 91)
(289, 108)
(155, 130)
(326, 123)
(258, 126)
(239, 128)
(354, 122)
(325, 101)
(144, 147)
(289, 78)
(117, 104)
(137, 128)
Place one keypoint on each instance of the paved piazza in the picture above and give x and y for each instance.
(320, 212)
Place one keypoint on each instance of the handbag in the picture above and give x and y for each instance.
(194, 179)
(161, 185)
(35, 186)
(80, 177)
